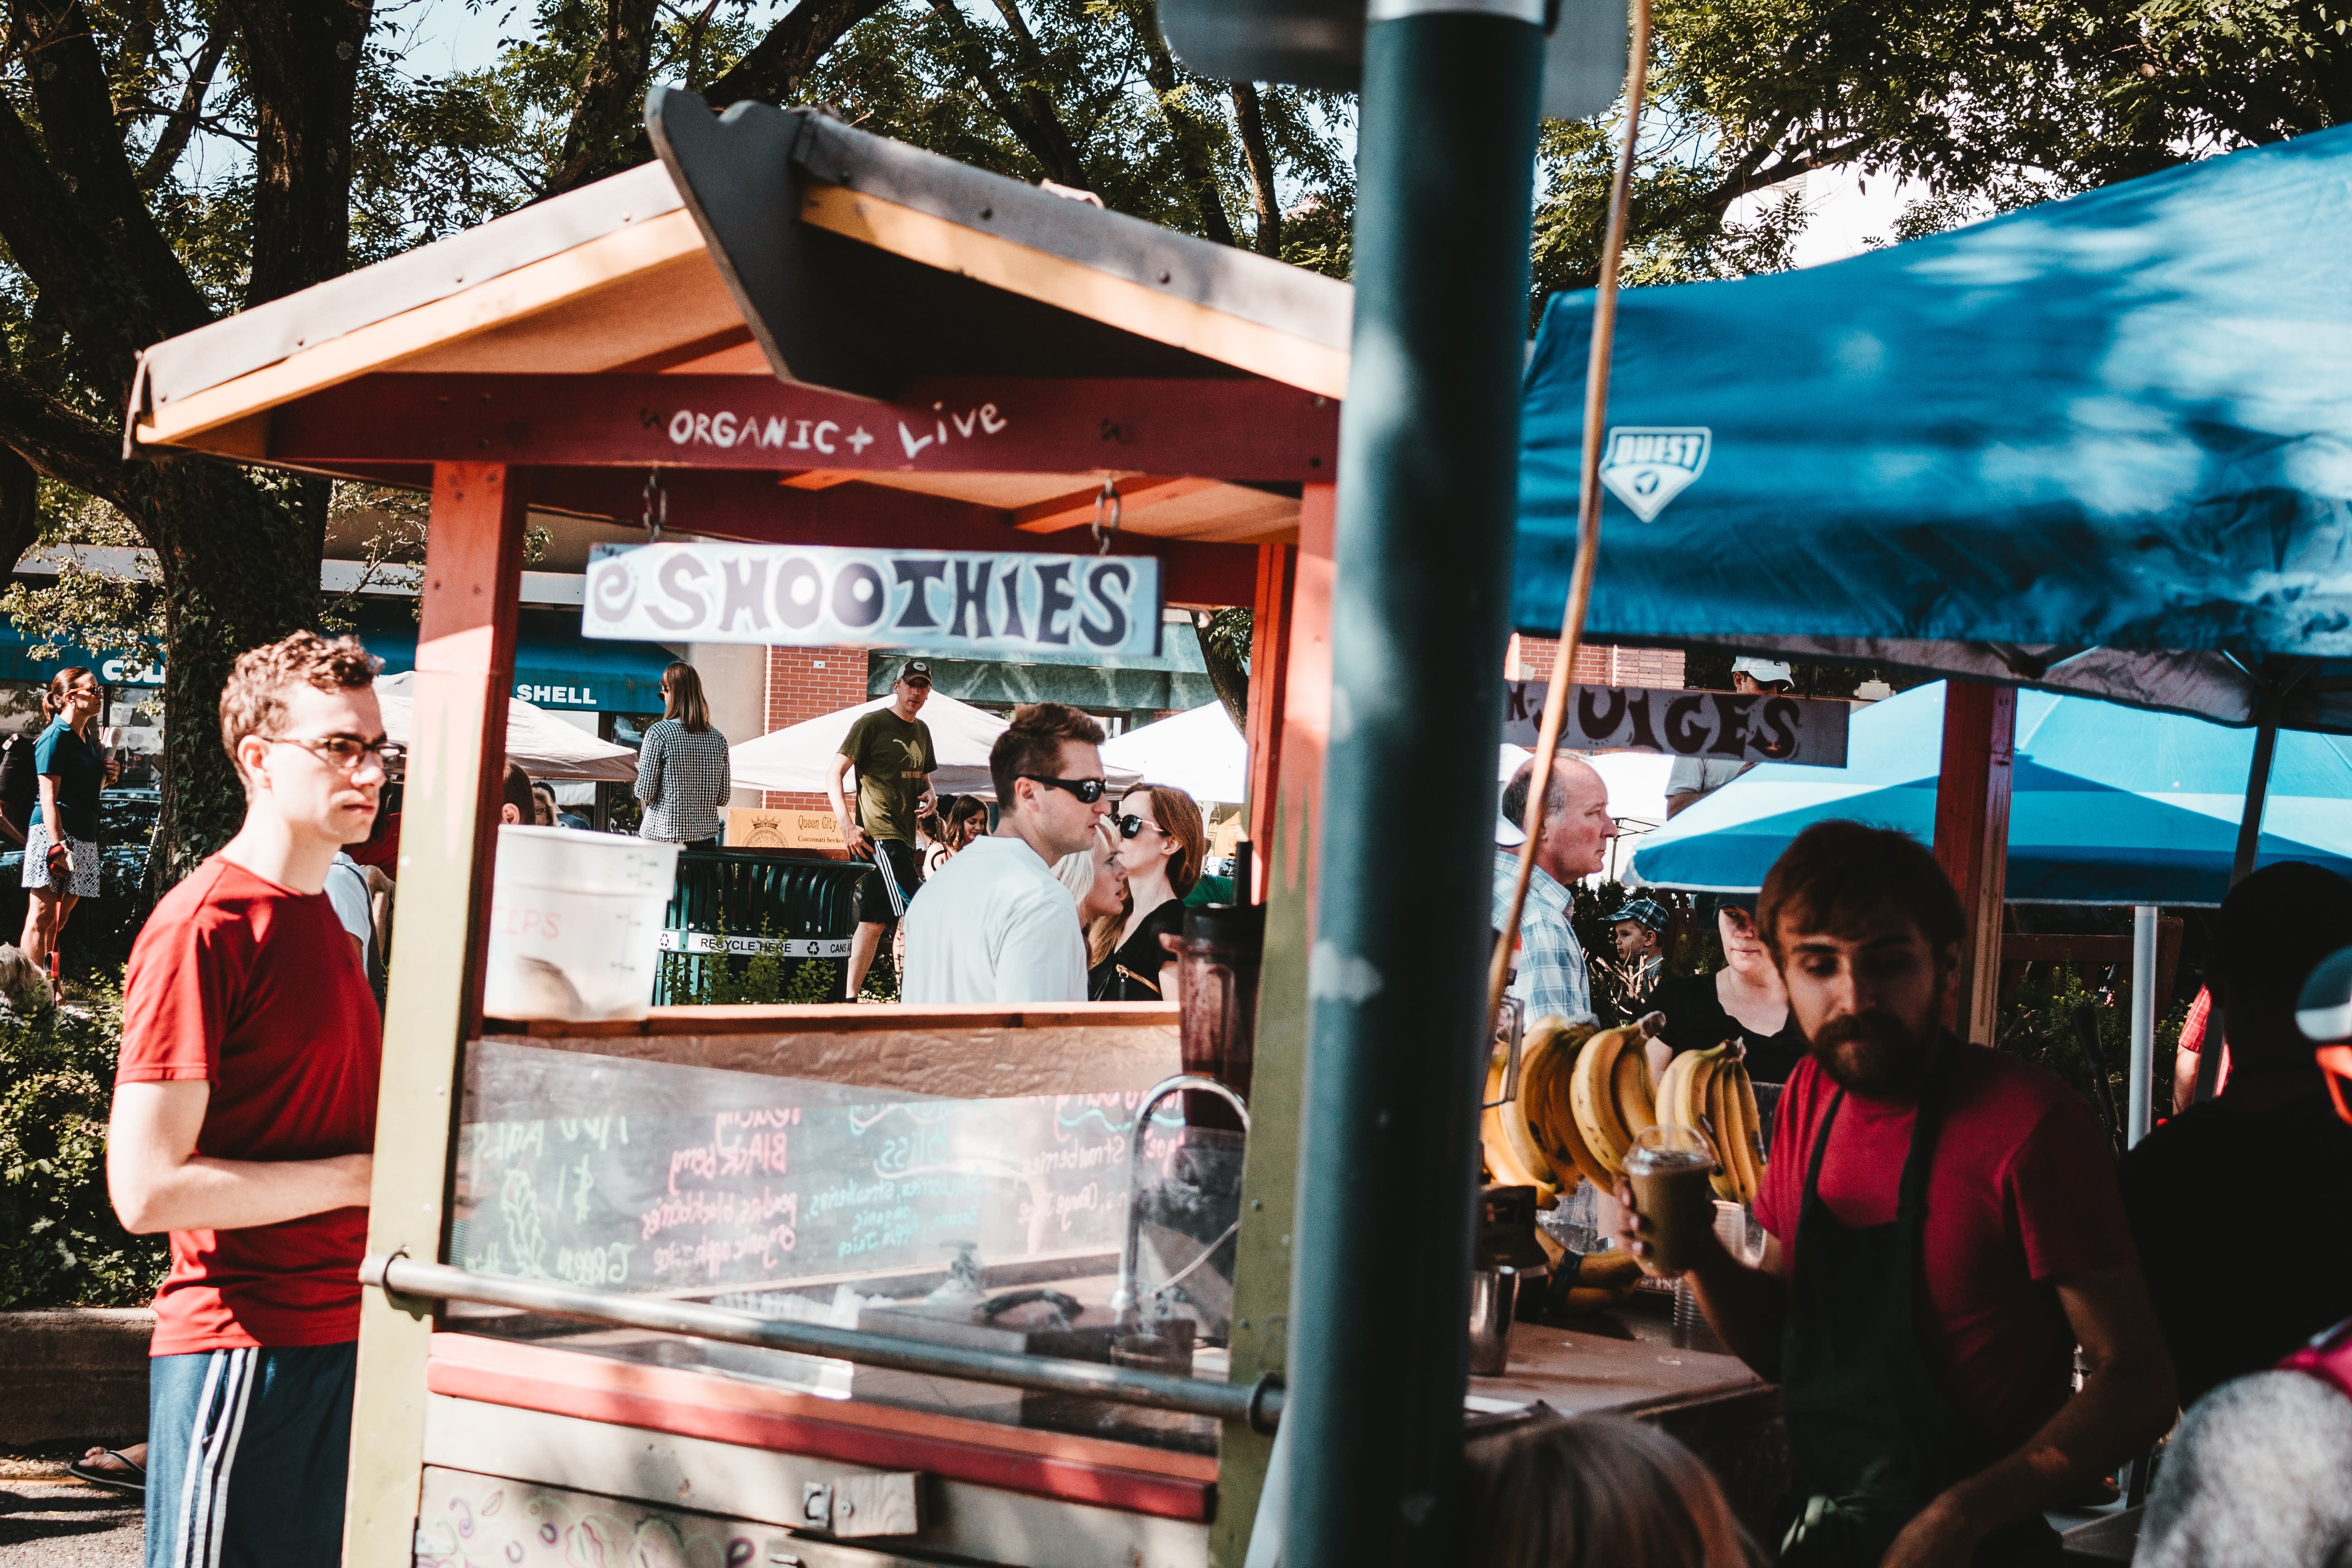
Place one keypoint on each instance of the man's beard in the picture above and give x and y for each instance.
(1875, 1054)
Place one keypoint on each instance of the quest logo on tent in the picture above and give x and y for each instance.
(980, 603)
(1647, 466)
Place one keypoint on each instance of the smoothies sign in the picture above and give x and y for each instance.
(976, 604)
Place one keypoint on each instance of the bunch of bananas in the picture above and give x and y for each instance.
(1710, 1091)
(1583, 1096)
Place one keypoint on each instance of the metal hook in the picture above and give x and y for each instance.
(656, 506)
(1107, 498)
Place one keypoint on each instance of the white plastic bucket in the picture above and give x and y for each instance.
(575, 923)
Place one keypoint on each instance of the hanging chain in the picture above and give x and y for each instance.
(656, 506)
(1106, 501)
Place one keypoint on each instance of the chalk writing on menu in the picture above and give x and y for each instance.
(652, 1176)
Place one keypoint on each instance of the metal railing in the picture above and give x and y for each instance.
(1258, 1404)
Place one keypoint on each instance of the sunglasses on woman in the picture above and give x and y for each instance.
(1088, 790)
(1131, 825)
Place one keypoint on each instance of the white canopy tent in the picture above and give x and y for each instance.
(542, 744)
(800, 757)
(1198, 752)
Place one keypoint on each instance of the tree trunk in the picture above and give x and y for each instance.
(1228, 675)
(607, 129)
(1260, 158)
(303, 66)
(238, 571)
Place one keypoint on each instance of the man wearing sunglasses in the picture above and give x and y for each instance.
(2265, 1168)
(249, 1033)
(996, 925)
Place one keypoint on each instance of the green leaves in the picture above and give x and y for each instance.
(60, 1243)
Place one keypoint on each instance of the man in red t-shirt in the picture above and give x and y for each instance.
(1943, 1231)
(244, 1121)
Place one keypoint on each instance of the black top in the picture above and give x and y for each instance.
(1132, 972)
(2271, 1189)
(1696, 1021)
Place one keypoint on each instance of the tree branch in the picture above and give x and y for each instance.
(1045, 140)
(1260, 158)
(82, 168)
(607, 129)
(772, 72)
(1185, 130)
(63, 444)
(173, 140)
(20, 508)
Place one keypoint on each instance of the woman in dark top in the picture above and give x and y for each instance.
(1161, 844)
(1744, 999)
(61, 864)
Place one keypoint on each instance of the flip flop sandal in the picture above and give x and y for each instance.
(134, 1481)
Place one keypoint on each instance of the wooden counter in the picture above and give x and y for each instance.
(1726, 1414)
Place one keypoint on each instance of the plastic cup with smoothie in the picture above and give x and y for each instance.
(1668, 1167)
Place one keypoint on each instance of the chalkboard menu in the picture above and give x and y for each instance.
(652, 1177)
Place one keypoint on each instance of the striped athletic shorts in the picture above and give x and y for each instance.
(247, 1452)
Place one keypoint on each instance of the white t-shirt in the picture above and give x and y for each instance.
(1703, 776)
(994, 926)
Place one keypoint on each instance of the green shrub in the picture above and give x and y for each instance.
(60, 1244)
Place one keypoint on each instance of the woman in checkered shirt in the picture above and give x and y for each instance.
(682, 773)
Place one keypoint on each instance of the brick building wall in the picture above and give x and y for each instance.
(1534, 659)
(806, 683)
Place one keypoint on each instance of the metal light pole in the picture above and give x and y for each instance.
(1428, 484)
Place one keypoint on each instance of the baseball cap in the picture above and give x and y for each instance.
(1508, 835)
(1648, 913)
(1762, 669)
(915, 670)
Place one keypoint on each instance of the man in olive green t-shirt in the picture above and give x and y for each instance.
(892, 749)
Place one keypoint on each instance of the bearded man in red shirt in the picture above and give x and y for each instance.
(244, 1120)
(1944, 1229)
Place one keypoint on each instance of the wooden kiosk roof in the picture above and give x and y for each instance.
(814, 333)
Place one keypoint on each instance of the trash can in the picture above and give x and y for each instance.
(747, 926)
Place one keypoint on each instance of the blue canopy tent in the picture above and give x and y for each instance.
(2112, 805)
(2102, 446)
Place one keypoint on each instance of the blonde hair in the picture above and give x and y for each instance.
(682, 698)
(1102, 933)
(1594, 1490)
(1179, 818)
(253, 702)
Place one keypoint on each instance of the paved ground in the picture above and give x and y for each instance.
(49, 1520)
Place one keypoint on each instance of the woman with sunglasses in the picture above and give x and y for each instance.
(1161, 844)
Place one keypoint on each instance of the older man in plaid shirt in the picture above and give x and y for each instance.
(1550, 979)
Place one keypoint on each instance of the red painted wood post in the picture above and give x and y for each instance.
(1277, 572)
(465, 669)
(1972, 795)
(1285, 860)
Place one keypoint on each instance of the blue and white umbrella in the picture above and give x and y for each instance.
(2109, 804)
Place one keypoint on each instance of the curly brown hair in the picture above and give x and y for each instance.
(253, 702)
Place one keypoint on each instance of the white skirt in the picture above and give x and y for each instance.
(84, 882)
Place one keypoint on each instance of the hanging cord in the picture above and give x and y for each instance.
(1107, 500)
(656, 506)
(1588, 510)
